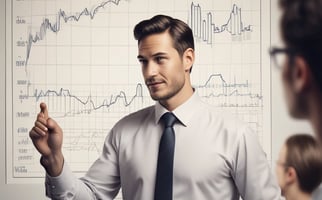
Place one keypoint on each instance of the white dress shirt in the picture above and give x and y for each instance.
(216, 157)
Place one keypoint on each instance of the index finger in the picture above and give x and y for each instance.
(44, 110)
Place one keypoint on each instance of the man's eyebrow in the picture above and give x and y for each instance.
(159, 54)
(154, 55)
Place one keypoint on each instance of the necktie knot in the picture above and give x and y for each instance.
(168, 119)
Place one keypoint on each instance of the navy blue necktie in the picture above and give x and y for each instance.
(164, 178)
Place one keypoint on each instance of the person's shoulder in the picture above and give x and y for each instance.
(137, 116)
(317, 194)
(232, 120)
(222, 115)
(229, 122)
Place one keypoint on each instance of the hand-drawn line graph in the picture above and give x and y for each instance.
(227, 89)
(80, 58)
(88, 102)
(205, 28)
(55, 27)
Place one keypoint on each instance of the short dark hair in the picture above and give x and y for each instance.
(301, 27)
(180, 32)
(304, 155)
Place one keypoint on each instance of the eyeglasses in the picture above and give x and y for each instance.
(281, 55)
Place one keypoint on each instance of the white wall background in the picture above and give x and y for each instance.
(281, 124)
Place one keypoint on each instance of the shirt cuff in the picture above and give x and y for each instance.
(62, 184)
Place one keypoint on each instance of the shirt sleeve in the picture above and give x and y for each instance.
(66, 186)
(253, 175)
(101, 181)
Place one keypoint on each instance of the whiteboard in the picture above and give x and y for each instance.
(80, 58)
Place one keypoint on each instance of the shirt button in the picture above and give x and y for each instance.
(69, 195)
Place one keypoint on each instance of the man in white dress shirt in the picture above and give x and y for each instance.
(216, 156)
(301, 30)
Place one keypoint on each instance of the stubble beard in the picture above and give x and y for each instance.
(169, 94)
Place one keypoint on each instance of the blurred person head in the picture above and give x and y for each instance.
(301, 32)
(299, 167)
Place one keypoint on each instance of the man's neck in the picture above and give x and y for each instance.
(179, 99)
(296, 194)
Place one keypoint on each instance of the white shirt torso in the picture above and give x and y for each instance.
(216, 157)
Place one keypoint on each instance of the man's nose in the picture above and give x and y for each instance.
(151, 69)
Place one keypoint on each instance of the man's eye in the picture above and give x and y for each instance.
(142, 61)
(159, 59)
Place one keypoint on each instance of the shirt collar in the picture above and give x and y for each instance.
(184, 112)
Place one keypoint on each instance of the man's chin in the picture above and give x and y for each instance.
(157, 97)
(161, 96)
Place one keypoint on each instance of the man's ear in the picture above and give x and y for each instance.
(291, 175)
(188, 58)
(301, 74)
